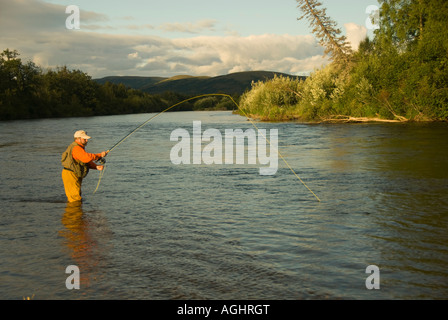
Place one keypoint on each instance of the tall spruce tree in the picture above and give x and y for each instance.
(326, 31)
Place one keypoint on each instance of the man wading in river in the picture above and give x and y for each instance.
(77, 162)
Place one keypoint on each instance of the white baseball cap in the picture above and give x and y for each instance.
(81, 134)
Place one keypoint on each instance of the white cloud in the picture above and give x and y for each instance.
(213, 55)
(189, 27)
(21, 16)
(133, 55)
(235, 53)
(355, 34)
(37, 30)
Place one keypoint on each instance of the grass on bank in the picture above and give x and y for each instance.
(326, 96)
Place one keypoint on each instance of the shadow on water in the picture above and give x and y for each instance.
(49, 200)
(8, 144)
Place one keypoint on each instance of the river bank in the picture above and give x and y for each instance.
(336, 119)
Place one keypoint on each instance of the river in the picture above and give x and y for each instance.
(156, 230)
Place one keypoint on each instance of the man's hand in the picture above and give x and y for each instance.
(100, 168)
(104, 153)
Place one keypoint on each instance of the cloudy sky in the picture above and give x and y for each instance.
(172, 37)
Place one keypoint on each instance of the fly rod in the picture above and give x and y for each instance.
(186, 100)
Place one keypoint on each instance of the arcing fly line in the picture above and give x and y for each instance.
(196, 97)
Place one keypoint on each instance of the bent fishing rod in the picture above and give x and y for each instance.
(103, 161)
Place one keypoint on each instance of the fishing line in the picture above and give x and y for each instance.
(196, 97)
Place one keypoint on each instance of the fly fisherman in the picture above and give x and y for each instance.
(77, 162)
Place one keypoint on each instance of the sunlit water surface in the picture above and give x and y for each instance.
(154, 230)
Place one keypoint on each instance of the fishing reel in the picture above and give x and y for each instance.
(102, 161)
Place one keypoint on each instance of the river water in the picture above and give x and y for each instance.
(155, 230)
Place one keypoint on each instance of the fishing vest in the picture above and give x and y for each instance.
(79, 168)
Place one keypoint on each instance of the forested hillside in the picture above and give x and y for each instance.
(234, 83)
(27, 92)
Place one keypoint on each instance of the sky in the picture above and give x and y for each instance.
(173, 37)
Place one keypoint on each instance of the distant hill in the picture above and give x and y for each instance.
(130, 81)
(234, 83)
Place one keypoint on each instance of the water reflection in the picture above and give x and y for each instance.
(79, 241)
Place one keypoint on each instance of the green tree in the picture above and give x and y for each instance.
(326, 31)
(71, 92)
(413, 40)
(19, 83)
